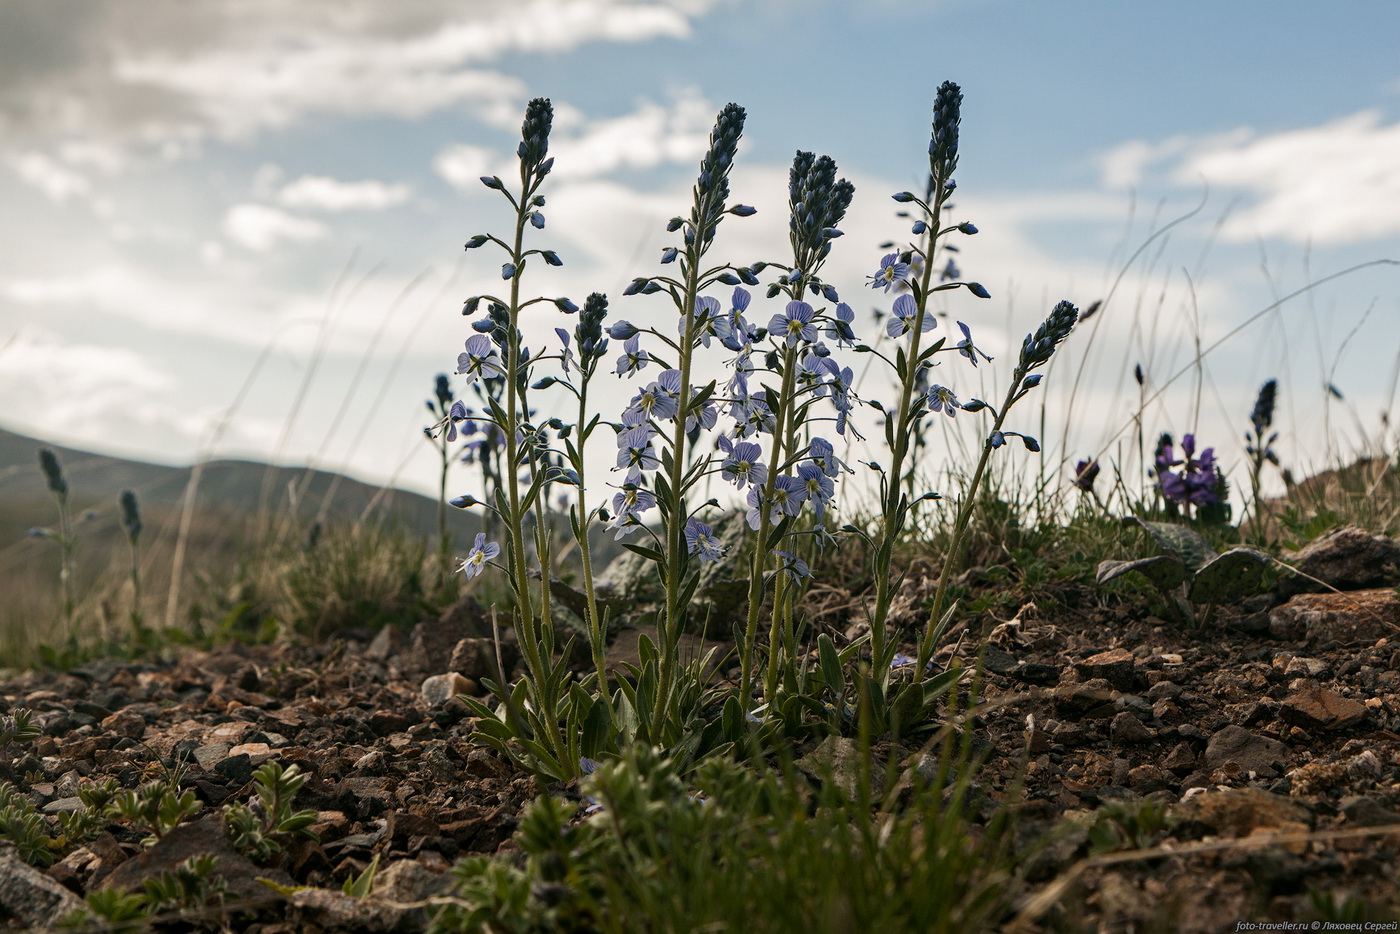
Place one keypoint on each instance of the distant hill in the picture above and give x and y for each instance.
(229, 488)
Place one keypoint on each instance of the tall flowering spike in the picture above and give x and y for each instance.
(131, 515)
(1263, 415)
(589, 330)
(1038, 348)
(818, 202)
(943, 146)
(713, 184)
(53, 473)
(534, 133)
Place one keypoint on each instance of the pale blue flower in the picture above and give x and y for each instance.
(633, 358)
(479, 359)
(741, 464)
(891, 272)
(482, 551)
(902, 317)
(701, 539)
(941, 399)
(794, 325)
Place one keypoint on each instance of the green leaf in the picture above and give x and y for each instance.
(1186, 543)
(651, 554)
(1164, 571)
(597, 729)
(1229, 577)
(830, 665)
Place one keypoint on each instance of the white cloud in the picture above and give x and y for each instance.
(75, 388)
(329, 194)
(259, 228)
(649, 136)
(461, 165)
(250, 79)
(57, 182)
(1329, 184)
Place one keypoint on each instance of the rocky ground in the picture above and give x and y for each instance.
(1269, 742)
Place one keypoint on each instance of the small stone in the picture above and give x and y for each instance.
(1127, 728)
(257, 753)
(125, 723)
(474, 658)
(1141, 775)
(1076, 700)
(1181, 759)
(1164, 690)
(1252, 753)
(1312, 706)
(235, 770)
(1366, 812)
(1298, 667)
(211, 755)
(439, 688)
(1114, 666)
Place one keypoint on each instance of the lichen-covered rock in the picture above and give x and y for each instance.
(1354, 616)
(32, 898)
(1346, 559)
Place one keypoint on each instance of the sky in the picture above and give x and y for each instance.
(235, 228)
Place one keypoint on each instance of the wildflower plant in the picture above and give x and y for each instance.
(1259, 441)
(766, 428)
(131, 525)
(64, 535)
(1191, 481)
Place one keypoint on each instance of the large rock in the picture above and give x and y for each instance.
(1252, 753)
(32, 898)
(630, 582)
(1357, 616)
(204, 836)
(1240, 812)
(1345, 559)
(1313, 707)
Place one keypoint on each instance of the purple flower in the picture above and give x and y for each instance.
(794, 325)
(634, 358)
(700, 539)
(1085, 473)
(475, 561)
(891, 272)
(629, 504)
(566, 356)
(479, 359)
(636, 453)
(458, 413)
(968, 349)
(707, 318)
(839, 328)
(660, 399)
(824, 456)
(902, 317)
(818, 487)
(941, 399)
(793, 566)
(752, 415)
(741, 464)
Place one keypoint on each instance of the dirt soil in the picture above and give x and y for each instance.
(1273, 747)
